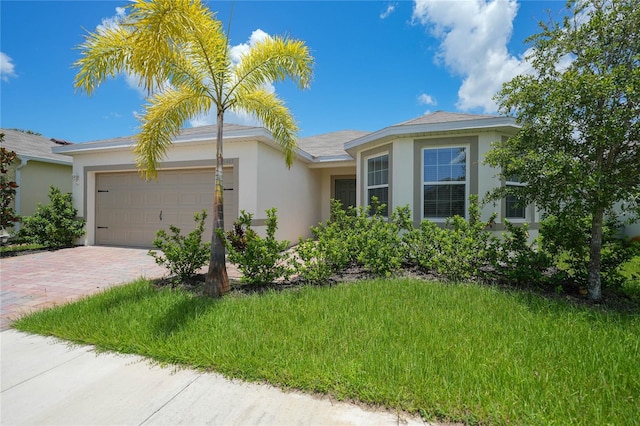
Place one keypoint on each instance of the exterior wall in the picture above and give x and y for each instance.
(402, 174)
(35, 179)
(405, 173)
(262, 181)
(87, 165)
(294, 192)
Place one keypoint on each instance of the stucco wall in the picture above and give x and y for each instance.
(295, 192)
(35, 179)
(263, 181)
(405, 178)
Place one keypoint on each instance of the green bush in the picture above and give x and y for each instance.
(567, 241)
(181, 255)
(53, 225)
(8, 216)
(458, 251)
(261, 260)
(353, 237)
(516, 260)
(381, 250)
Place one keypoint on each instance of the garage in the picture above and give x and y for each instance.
(130, 210)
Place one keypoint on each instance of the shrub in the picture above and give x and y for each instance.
(456, 251)
(182, 256)
(381, 249)
(353, 237)
(261, 260)
(567, 241)
(7, 188)
(516, 260)
(55, 224)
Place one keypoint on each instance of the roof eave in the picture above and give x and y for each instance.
(497, 123)
(46, 160)
(257, 133)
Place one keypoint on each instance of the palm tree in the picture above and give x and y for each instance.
(180, 53)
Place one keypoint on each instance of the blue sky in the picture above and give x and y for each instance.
(377, 63)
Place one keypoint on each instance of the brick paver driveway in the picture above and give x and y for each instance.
(45, 279)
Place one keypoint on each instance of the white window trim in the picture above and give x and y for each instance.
(366, 177)
(467, 182)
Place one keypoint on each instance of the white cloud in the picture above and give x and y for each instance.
(113, 21)
(229, 117)
(473, 37)
(238, 50)
(425, 99)
(388, 11)
(7, 69)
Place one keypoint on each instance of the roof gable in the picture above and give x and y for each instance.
(435, 123)
(443, 117)
(33, 146)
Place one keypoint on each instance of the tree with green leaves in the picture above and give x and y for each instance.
(180, 52)
(578, 148)
(8, 216)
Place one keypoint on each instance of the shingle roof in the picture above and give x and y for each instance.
(443, 117)
(329, 143)
(33, 146)
(208, 130)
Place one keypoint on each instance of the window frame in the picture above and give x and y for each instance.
(386, 185)
(466, 182)
(512, 181)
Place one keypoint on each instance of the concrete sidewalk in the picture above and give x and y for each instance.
(47, 382)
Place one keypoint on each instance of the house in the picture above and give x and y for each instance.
(432, 164)
(36, 168)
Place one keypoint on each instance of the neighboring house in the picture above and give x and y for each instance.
(432, 164)
(36, 168)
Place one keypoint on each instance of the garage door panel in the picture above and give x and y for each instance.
(129, 213)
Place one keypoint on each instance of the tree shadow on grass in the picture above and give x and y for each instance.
(182, 313)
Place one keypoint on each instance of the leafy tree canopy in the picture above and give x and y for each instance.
(578, 147)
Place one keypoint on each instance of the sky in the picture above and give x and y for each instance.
(377, 63)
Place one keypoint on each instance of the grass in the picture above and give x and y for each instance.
(452, 352)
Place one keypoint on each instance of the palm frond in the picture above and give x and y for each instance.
(104, 55)
(161, 122)
(275, 117)
(272, 60)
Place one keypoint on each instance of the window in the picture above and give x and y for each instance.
(514, 206)
(378, 181)
(444, 182)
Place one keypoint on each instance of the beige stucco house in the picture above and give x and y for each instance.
(36, 168)
(432, 164)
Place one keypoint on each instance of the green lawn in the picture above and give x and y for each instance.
(453, 352)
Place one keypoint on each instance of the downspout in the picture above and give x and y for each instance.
(17, 200)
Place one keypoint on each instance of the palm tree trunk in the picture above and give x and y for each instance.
(595, 256)
(217, 281)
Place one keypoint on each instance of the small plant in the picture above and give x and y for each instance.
(261, 260)
(7, 188)
(353, 237)
(566, 241)
(456, 251)
(181, 255)
(53, 225)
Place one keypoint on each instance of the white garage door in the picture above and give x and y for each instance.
(129, 211)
